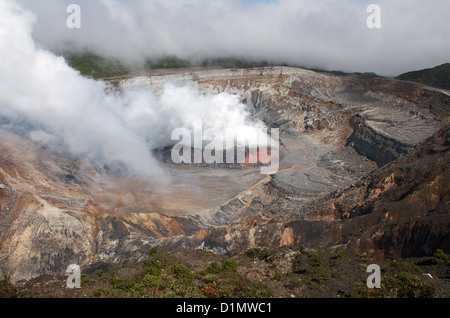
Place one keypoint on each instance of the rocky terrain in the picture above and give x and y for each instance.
(364, 167)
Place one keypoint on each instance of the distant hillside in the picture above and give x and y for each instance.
(438, 76)
(96, 66)
(99, 67)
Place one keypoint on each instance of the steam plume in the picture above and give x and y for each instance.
(67, 111)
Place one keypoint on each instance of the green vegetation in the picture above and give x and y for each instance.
(85, 280)
(366, 75)
(315, 258)
(99, 67)
(251, 252)
(167, 63)
(440, 258)
(94, 66)
(401, 279)
(251, 273)
(98, 273)
(232, 63)
(152, 252)
(161, 278)
(214, 268)
(229, 265)
(181, 272)
(438, 76)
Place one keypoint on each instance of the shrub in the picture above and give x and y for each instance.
(251, 252)
(155, 261)
(259, 290)
(124, 284)
(85, 280)
(208, 255)
(105, 292)
(210, 278)
(181, 288)
(408, 266)
(153, 270)
(229, 265)
(247, 289)
(315, 259)
(243, 288)
(181, 272)
(411, 286)
(100, 291)
(211, 290)
(340, 254)
(403, 285)
(440, 258)
(402, 279)
(152, 252)
(323, 276)
(98, 273)
(152, 281)
(214, 268)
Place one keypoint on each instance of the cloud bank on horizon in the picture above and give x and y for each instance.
(327, 34)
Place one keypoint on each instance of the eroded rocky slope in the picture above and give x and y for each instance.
(364, 165)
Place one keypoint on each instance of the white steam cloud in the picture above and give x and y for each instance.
(63, 109)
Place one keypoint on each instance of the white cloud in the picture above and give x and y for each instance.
(330, 34)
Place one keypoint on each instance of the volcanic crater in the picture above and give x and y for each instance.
(363, 164)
